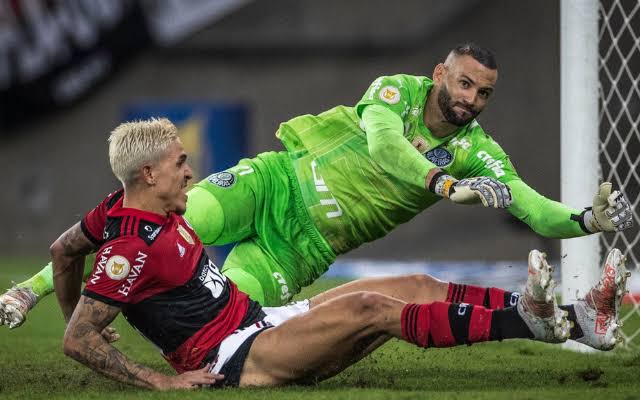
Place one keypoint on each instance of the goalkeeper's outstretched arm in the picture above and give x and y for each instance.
(610, 212)
(546, 217)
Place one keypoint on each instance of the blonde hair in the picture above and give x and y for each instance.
(133, 144)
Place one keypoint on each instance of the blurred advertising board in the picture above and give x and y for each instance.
(54, 53)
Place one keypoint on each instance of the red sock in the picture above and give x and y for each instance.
(442, 324)
(492, 298)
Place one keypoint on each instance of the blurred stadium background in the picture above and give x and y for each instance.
(72, 70)
(229, 71)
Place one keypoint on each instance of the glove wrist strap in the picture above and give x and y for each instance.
(586, 221)
(443, 185)
(432, 178)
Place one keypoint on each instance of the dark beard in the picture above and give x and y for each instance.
(444, 102)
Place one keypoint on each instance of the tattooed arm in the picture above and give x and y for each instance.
(84, 343)
(67, 255)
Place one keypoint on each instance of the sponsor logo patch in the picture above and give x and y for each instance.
(118, 268)
(133, 274)
(284, 289)
(374, 87)
(181, 250)
(223, 179)
(185, 235)
(439, 156)
(390, 94)
(213, 279)
(489, 162)
(152, 233)
(464, 143)
(513, 300)
(101, 265)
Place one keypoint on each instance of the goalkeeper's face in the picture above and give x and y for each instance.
(464, 87)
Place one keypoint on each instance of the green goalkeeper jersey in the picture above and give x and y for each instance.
(356, 193)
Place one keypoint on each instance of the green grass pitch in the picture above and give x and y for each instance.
(32, 366)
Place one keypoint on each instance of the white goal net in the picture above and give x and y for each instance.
(600, 141)
(619, 134)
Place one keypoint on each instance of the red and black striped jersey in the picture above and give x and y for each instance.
(155, 269)
(93, 223)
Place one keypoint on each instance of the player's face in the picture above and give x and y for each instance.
(172, 177)
(465, 86)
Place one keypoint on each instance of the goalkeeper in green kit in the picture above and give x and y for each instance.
(350, 175)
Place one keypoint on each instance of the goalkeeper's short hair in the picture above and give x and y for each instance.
(482, 55)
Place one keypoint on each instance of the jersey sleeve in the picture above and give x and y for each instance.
(544, 216)
(382, 111)
(94, 221)
(392, 92)
(390, 149)
(118, 274)
(488, 159)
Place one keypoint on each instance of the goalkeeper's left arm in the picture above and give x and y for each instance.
(610, 211)
(546, 217)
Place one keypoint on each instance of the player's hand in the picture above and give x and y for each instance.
(611, 211)
(110, 335)
(190, 380)
(14, 306)
(483, 189)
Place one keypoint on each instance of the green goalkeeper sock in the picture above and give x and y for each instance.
(42, 283)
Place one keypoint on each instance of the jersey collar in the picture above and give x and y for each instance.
(119, 211)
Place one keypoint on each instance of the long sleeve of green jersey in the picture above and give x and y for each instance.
(546, 217)
(382, 110)
(390, 149)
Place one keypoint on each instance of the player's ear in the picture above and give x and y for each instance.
(439, 72)
(148, 175)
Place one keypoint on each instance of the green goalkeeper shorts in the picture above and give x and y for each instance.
(278, 250)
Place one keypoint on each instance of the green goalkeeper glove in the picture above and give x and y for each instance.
(610, 212)
(489, 191)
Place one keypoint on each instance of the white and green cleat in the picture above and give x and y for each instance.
(597, 312)
(537, 306)
(15, 304)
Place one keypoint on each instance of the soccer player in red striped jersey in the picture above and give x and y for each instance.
(152, 268)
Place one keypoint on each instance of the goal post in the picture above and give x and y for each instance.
(579, 137)
(600, 136)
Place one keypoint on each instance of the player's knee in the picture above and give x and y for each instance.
(56, 248)
(423, 283)
(205, 215)
(69, 347)
(368, 305)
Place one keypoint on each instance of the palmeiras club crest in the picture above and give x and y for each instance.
(223, 179)
(439, 156)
